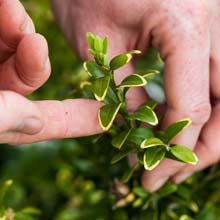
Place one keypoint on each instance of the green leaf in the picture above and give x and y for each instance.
(140, 192)
(120, 61)
(149, 73)
(168, 189)
(133, 80)
(100, 87)
(90, 39)
(4, 189)
(175, 129)
(120, 139)
(183, 154)
(137, 135)
(121, 154)
(111, 97)
(152, 142)
(98, 44)
(128, 174)
(134, 52)
(94, 70)
(186, 217)
(105, 45)
(145, 114)
(153, 156)
(107, 114)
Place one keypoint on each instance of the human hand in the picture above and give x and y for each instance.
(24, 67)
(187, 35)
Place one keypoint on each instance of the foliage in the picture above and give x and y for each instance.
(152, 147)
(72, 179)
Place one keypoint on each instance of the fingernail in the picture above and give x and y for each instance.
(26, 26)
(31, 126)
(181, 177)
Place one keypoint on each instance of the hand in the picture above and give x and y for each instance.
(187, 34)
(24, 67)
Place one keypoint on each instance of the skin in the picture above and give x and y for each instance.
(185, 32)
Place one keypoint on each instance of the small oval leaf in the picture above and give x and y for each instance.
(120, 139)
(153, 156)
(105, 45)
(133, 80)
(94, 70)
(152, 142)
(107, 114)
(174, 129)
(120, 61)
(137, 135)
(183, 154)
(100, 87)
(145, 114)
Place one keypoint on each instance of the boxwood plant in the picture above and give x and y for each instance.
(132, 135)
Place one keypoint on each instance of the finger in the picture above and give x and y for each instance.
(207, 148)
(18, 114)
(29, 68)
(15, 22)
(186, 83)
(69, 118)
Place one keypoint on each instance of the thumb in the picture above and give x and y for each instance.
(18, 114)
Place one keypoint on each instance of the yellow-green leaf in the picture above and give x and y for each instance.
(183, 154)
(133, 80)
(149, 73)
(152, 142)
(145, 114)
(107, 114)
(153, 156)
(100, 87)
(175, 129)
(120, 61)
(120, 139)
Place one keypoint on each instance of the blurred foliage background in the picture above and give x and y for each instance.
(73, 179)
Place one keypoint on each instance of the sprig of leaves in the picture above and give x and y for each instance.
(130, 136)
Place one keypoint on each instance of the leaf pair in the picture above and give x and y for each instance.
(156, 149)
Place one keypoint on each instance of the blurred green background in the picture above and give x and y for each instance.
(72, 179)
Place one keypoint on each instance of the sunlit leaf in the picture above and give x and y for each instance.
(107, 114)
(120, 139)
(145, 114)
(98, 44)
(90, 39)
(133, 80)
(149, 73)
(183, 154)
(120, 61)
(152, 142)
(175, 129)
(105, 45)
(100, 87)
(153, 156)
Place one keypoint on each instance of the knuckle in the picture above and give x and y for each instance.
(200, 113)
